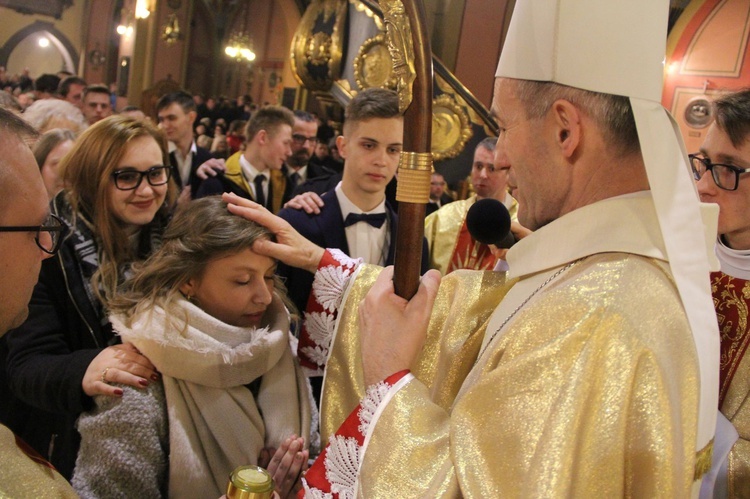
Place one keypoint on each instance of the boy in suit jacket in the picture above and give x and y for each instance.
(176, 115)
(256, 173)
(355, 216)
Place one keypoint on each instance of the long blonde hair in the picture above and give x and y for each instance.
(202, 231)
(87, 172)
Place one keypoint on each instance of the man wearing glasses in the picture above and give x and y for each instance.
(28, 235)
(298, 167)
(721, 171)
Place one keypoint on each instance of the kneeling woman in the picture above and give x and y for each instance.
(211, 316)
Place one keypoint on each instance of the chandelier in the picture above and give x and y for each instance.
(240, 47)
(171, 31)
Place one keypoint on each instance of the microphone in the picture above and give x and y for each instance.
(488, 222)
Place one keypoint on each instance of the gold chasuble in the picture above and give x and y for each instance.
(450, 243)
(582, 382)
(731, 300)
(25, 475)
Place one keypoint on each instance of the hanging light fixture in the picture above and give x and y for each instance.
(240, 45)
(125, 28)
(142, 10)
(171, 32)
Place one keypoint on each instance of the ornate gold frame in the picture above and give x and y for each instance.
(451, 128)
(373, 66)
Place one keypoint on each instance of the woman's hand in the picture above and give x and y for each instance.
(290, 247)
(122, 364)
(286, 465)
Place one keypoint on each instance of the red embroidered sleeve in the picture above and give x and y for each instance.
(334, 473)
(331, 279)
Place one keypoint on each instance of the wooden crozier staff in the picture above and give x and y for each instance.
(410, 51)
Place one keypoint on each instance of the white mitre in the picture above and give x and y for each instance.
(618, 47)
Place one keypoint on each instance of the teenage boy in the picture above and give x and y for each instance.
(176, 113)
(355, 217)
(256, 173)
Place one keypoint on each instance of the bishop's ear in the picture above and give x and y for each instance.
(567, 122)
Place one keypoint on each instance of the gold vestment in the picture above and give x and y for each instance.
(732, 297)
(736, 408)
(21, 477)
(591, 390)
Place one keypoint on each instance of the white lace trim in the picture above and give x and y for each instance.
(320, 327)
(317, 354)
(373, 398)
(329, 284)
(344, 259)
(315, 442)
(314, 493)
(328, 289)
(342, 465)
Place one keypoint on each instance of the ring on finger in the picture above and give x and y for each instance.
(104, 375)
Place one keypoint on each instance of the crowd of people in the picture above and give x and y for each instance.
(211, 287)
(93, 379)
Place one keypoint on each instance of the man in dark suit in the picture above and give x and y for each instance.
(438, 196)
(176, 113)
(355, 216)
(298, 168)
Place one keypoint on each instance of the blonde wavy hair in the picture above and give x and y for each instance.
(87, 172)
(202, 231)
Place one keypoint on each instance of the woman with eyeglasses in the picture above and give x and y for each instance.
(115, 205)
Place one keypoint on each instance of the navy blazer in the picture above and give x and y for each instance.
(327, 230)
(313, 171)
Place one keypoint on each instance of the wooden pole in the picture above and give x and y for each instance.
(417, 139)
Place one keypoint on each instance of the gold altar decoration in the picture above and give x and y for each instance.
(317, 47)
(401, 47)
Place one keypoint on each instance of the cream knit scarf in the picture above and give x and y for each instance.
(215, 423)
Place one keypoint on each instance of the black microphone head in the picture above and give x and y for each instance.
(488, 222)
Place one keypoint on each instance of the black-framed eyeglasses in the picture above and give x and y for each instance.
(49, 235)
(127, 180)
(300, 140)
(725, 177)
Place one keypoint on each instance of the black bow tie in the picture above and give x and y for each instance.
(374, 219)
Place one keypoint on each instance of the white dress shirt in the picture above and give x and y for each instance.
(250, 172)
(365, 241)
(184, 164)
